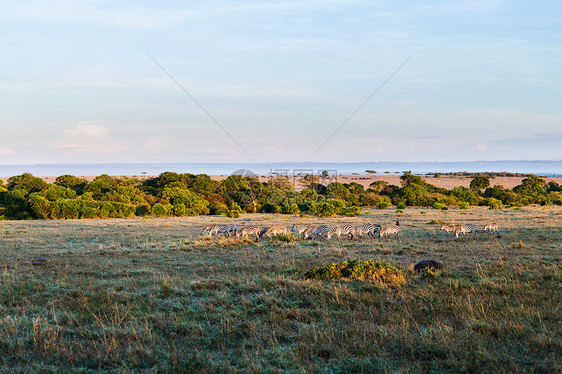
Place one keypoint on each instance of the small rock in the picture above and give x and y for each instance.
(426, 264)
(39, 261)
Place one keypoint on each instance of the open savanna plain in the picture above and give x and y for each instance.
(152, 295)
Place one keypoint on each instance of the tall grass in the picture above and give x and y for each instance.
(151, 295)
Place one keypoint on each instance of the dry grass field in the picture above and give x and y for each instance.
(134, 295)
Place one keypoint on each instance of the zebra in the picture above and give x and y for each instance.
(208, 229)
(463, 229)
(342, 229)
(448, 228)
(227, 229)
(300, 229)
(275, 230)
(314, 231)
(247, 231)
(390, 229)
(367, 229)
(493, 227)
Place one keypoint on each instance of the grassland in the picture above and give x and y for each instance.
(133, 295)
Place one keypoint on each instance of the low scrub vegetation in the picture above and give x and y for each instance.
(172, 194)
(361, 270)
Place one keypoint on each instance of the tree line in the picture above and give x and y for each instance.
(173, 194)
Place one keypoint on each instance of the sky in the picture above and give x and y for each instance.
(272, 81)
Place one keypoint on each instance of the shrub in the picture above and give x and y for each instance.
(293, 209)
(437, 222)
(374, 270)
(439, 206)
(65, 209)
(232, 213)
(479, 183)
(142, 210)
(350, 211)
(383, 205)
(179, 210)
(466, 195)
(40, 205)
(192, 203)
(86, 210)
(495, 203)
(463, 205)
(218, 209)
(159, 210)
(283, 238)
(401, 205)
(323, 209)
(271, 208)
(373, 199)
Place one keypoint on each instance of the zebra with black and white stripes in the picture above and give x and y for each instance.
(275, 230)
(315, 230)
(390, 229)
(247, 231)
(368, 229)
(208, 229)
(300, 229)
(227, 229)
(341, 229)
(463, 229)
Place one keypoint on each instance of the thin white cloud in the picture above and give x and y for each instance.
(89, 139)
(85, 131)
(7, 151)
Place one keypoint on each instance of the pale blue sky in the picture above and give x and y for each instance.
(77, 84)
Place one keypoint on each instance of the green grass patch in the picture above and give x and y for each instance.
(359, 270)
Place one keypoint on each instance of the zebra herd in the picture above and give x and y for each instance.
(470, 228)
(311, 231)
(304, 231)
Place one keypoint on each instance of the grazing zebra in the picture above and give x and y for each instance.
(390, 229)
(275, 230)
(448, 228)
(208, 229)
(367, 229)
(493, 227)
(227, 229)
(300, 229)
(342, 229)
(463, 229)
(314, 231)
(247, 231)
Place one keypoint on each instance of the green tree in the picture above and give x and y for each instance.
(27, 182)
(409, 178)
(70, 181)
(338, 191)
(40, 206)
(479, 183)
(55, 191)
(192, 203)
(465, 194)
(414, 194)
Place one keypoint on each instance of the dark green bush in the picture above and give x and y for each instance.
(355, 270)
(495, 203)
(438, 206)
(159, 210)
(232, 213)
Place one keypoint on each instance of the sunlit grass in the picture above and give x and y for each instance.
(153, 295)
